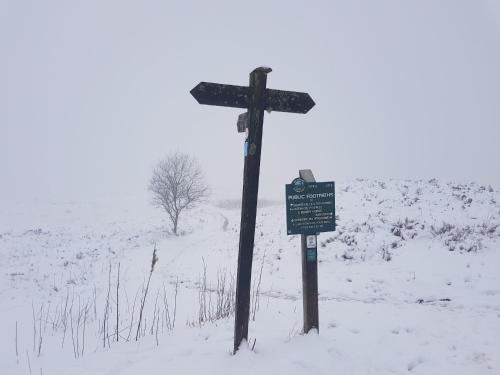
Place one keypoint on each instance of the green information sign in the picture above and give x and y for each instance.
(310, 207)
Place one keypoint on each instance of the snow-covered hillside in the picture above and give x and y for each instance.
(409, 282)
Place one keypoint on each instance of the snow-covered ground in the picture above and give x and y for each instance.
(408, 283)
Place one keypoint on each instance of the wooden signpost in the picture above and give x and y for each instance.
(310, 209)
(256, 98)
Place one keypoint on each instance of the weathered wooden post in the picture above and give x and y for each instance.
(310, 209)
(255, 98)
(309, 255)
(251, 171)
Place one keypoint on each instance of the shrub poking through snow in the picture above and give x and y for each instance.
(405, 229)
(441, 229)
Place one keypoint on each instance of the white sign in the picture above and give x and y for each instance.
(311, 242)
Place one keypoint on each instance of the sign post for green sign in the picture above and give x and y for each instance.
(310, 209)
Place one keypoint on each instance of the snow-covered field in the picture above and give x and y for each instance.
(409, 283)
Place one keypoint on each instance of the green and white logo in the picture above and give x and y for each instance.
(299, 185)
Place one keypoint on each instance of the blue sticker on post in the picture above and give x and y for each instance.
(245, 149)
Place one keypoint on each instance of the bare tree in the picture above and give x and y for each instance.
(177, 184)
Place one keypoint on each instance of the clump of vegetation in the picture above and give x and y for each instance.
(405, 229)
(464, 238)
(441, 229)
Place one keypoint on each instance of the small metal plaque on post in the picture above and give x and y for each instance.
(312, 252)
(312, 255)
(311, 241)
(242, 123)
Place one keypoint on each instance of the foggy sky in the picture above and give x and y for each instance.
(94, 93)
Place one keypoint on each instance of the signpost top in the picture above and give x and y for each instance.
(238, 97)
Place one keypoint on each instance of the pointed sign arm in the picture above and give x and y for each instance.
(221, 95)
(288, 101)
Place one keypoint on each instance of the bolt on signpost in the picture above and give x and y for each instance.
(256, 98)
(310, 209)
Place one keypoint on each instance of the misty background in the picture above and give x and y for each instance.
(94, 93)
